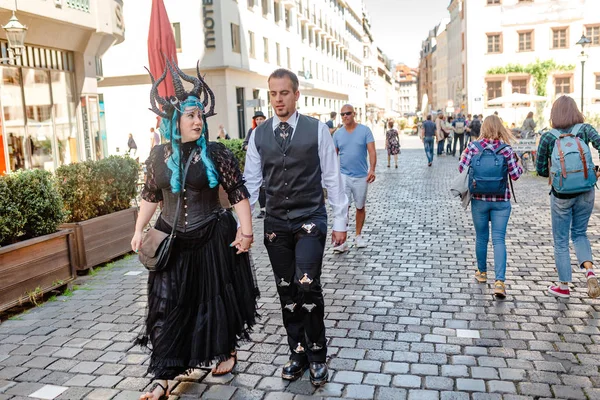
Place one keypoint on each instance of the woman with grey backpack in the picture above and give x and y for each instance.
(564, 157)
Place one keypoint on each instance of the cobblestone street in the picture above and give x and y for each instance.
(405, 318)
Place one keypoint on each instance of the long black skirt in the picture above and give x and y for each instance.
(203, 304)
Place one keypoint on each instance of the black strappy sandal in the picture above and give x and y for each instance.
(214, 371)
(165, 394)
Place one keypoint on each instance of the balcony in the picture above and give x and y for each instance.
(289, 3)
(81, 5)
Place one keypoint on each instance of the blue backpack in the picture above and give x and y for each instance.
(571, 165)
(488, 172)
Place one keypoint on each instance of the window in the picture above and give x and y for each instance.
(494, 43)
(266, 47)
(251, 3)
(593, 33)
(560, 38)
(494, 89)
(265, 7)
(276, 12)
(235, 38)
(288, 19)
(519, 85)
(251, 45)
(493, 2)
(289, 58)
(526, 41)
(278, 54)
(562, 85)
(598, 81)
(177, 33)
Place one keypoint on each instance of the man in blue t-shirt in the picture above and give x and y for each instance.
(428, 136)
(353, 142)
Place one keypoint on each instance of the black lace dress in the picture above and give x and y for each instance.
(204, 303)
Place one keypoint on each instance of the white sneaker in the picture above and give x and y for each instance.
(360, 242)
(342, 248)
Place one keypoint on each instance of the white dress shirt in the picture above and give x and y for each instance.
(330, 172)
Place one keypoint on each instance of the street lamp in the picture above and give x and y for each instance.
(15, 33)
(584, 41)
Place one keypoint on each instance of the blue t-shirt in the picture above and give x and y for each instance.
(353, 150)
(429, 128)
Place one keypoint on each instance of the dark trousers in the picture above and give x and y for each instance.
(440, 147)
(296, 250)
(458, 137)
(262, 197)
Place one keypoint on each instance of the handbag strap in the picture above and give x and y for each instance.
(185, 171)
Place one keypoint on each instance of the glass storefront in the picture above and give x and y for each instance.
(38, 120)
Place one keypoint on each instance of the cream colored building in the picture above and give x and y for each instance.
(239, 45)
(440, 67)
(520, 32)
(50, 111)
(455, 50)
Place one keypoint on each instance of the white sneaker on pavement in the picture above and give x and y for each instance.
(342, 248)
(360, 242)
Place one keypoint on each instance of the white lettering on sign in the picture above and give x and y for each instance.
(525, 145)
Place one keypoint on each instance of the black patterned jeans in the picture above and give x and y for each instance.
(296, 249)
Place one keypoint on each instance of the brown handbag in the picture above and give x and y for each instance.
(156, 245)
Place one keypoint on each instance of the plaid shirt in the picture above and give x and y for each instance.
(514, 170)
(587, 134)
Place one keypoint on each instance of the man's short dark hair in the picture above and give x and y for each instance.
(332, 115)
(429, 117)
(282, 73)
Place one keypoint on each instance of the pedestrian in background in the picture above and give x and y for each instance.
(331, 123)
(392, 143)
(570, 212)
(528, 125)
(450, 136)
(154, 138)
(257, 120)
(459, 127)
(222, 135)
(353, 143)
(441, 133)
(131, 145)
(427, 134)
(492, 208)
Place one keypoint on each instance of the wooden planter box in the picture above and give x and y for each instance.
(35, 266)
(101, 239)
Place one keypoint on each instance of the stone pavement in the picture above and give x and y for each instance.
(405, 318)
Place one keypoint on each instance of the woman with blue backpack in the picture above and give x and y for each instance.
(492, 163)
(565, 157)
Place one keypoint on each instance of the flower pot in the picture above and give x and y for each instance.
(35, 266)
(101, 239)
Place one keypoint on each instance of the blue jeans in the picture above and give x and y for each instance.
(571, 215)
(428, 142)
(440, 148)
(498, 214)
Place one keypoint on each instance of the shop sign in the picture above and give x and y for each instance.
(209, 24)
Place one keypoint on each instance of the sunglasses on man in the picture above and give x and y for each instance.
(347, 113)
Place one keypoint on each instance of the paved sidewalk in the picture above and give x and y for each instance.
(405, 318)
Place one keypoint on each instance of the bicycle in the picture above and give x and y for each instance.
(528, 158)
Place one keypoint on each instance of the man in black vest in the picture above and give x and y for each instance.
(291, 154)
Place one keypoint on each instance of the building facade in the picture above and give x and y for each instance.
(455, 48)
(407, 80)
(239, 44)
(50, 110)
(440, 67)
(425, 92)
(522, 33)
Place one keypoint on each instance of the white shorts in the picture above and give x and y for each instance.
(356, 188)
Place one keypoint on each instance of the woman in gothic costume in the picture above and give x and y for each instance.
(204, 302)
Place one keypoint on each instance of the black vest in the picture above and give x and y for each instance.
(292, 176)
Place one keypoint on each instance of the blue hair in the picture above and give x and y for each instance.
(170, 130)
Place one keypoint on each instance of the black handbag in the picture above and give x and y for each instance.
(156, 246)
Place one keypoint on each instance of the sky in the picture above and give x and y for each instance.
(399, 26)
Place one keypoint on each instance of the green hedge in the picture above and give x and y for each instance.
(95, 188)
(235, 145)
(36, 205)
(11, 220)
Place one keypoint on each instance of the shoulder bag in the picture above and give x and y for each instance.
(156, 245)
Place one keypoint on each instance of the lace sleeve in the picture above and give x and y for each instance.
(230, 176)
(150, 191)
